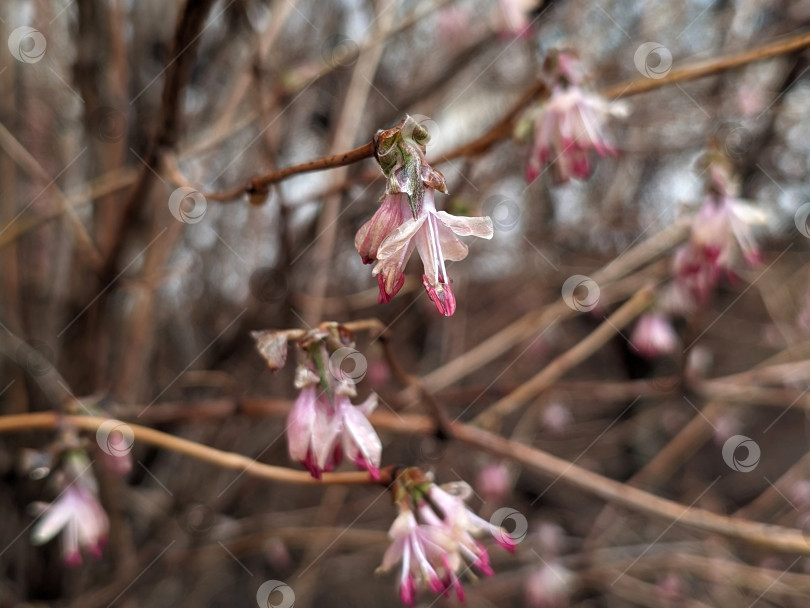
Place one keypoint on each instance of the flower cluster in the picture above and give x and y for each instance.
(76, 513)
(407, 219)
(323, 424)
(569, 124)
(721, 235)
(434, 537)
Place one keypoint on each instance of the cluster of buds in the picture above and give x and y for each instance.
(76, 513)
(569, 125)
(721, 235)
(323, 424)
(434, 537)
(407, 219)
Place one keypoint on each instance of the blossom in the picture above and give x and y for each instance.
(76, 514)
(321, 430)
(434, 234)
(722, 234)
(407, 219)
(549, 586)
(360, 441)
(311, 433)
(569, 125)
(654, 336)
(425, 552)
(433, 538)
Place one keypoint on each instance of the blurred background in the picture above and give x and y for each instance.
(144, 300)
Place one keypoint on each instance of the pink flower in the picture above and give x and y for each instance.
(549, 586)
(434, 542)
(569, 125)
(361, 444)
(319, 432)
(465, 524)
(654, 336)
(388, 217)
(426, 554)
(407, 219)
(434, 234)
(722, 235)
(494, 482)
(76, 514)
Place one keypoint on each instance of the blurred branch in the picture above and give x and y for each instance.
(764, 535)
(188, 30)
(24, 159)
(572, 357)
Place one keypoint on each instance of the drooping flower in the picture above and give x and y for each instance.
(434, 234)
(312, 430)
(360, 441)
(76, 513)
(323, 426)
(424, 552)
(407, 219)
(654, 336)
(721, 235)
(433, 538)
(570, 125)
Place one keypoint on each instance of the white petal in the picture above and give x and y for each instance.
(399, 239)
(360, 436)
(53, 520)
(467, 226)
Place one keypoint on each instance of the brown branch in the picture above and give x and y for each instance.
(503, 129)
(220, 458)
(572, 357)
(764, 535)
